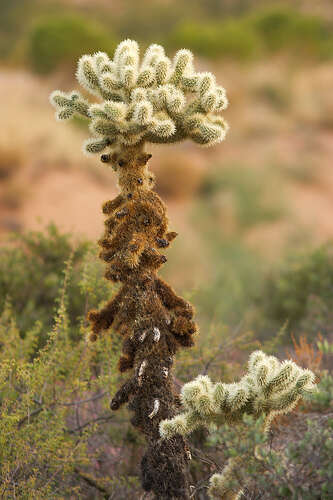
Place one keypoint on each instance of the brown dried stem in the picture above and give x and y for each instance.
(146, 311)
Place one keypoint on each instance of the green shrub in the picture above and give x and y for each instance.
(322, 400)
(232, 201)
(293, 462)
(31, 275)
(152, 21)
(55, 409)
(245, 192)
(13, 19)
(285, 28)
(300, 292)
(232, 39)
(234, 280)
(60, 39)
(234, 274)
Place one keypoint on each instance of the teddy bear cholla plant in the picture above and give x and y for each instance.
(155, 101)
(268, 388)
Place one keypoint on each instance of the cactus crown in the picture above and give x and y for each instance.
(157, 100)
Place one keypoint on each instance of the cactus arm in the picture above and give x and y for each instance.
(269, 387)
(103, 319)
(67, 105)
(170, 299)
(110, 206)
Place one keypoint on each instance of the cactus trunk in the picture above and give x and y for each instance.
(152, 319)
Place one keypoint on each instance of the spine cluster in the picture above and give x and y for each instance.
(156, 100)
(268, 388)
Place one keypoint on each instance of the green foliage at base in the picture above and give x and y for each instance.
(48, 375)
(51, 406)
(290, 463)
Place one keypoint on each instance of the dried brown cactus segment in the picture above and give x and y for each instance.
(146, 311)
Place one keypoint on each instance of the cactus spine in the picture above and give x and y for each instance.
(157, 101)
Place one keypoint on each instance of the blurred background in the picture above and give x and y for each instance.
(254, 214)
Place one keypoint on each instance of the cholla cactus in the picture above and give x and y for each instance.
(268, 388)
(158, 101)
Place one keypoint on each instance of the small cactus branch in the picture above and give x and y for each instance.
(68, 105)
(268, 388)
